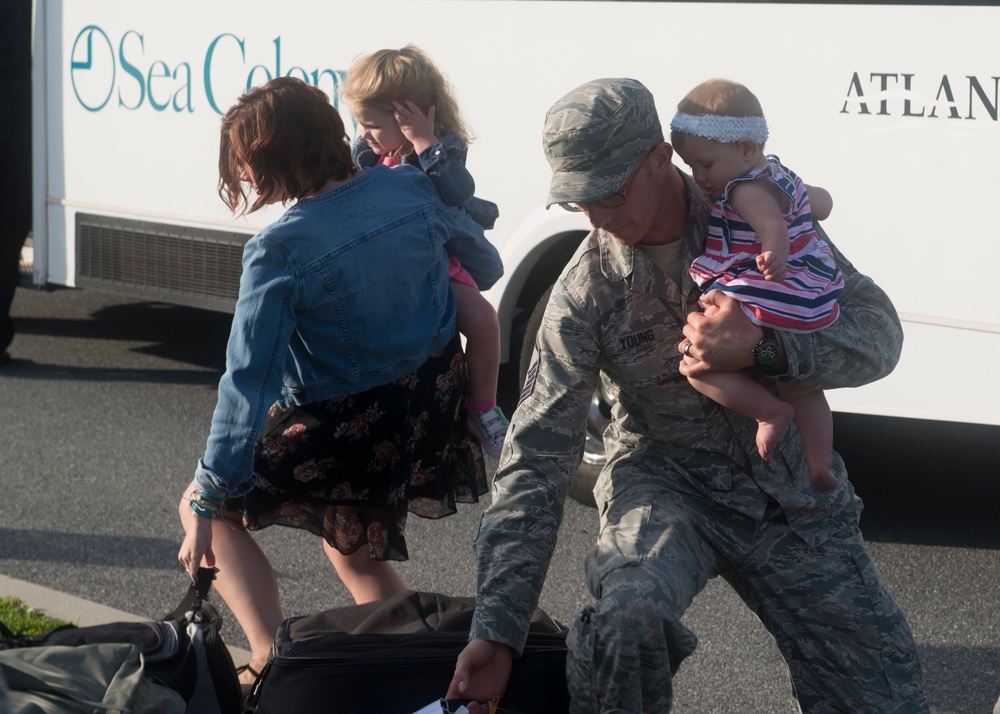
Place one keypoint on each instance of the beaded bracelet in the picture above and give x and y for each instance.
(206, 505)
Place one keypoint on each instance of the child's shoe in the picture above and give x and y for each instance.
(490, 427)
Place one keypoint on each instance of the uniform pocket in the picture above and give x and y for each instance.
(621, 542)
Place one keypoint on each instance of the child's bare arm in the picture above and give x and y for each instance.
(821, 202)
(417, 127)
(759, 207)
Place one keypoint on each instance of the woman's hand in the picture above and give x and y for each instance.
(481, 673)
(197, 537)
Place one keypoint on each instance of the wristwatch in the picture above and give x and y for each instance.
(767, 352)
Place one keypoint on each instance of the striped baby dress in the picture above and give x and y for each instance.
(806, 300)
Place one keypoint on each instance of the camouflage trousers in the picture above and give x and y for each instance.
(846, 642)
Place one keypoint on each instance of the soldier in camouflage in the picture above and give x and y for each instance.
(684, 496)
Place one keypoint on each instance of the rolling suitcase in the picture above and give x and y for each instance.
(396, 657)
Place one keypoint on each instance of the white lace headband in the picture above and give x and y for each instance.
(728, 130)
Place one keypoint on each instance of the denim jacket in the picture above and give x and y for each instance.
(444, 162)
(345, 292)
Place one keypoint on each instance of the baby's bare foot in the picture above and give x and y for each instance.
(822, 479)
(769, 431)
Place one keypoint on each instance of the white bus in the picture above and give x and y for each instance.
(892, 107)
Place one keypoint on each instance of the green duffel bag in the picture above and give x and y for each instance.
(82, 680)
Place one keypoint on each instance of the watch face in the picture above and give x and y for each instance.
(765, 354)
(768, 354)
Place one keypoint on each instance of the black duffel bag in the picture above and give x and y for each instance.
(396, 657)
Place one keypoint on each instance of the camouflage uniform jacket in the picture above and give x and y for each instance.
(612, 312)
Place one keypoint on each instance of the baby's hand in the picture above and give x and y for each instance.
(417, 127)
(771, 265)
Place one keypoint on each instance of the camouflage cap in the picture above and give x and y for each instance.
(594, 134)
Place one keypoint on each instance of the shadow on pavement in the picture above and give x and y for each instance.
(911, 473)
(19, 368)
(185, 334)
(87, 549)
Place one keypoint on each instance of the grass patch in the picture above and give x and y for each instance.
(22, 620)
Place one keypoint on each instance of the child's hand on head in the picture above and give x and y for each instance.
(417, 127)
(771, 265)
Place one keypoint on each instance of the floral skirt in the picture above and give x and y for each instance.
(351, 468)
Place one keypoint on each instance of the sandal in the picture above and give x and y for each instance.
(247, 668)
(247, 687)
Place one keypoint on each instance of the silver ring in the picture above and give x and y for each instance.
(687, 350)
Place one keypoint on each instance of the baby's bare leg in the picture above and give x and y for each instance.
(741, 393)
(815, 422)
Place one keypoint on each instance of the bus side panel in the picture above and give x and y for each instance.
(893, 108)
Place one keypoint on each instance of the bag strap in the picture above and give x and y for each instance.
(196, 595)
(9, 641)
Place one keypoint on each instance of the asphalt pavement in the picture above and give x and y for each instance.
(106, 405)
